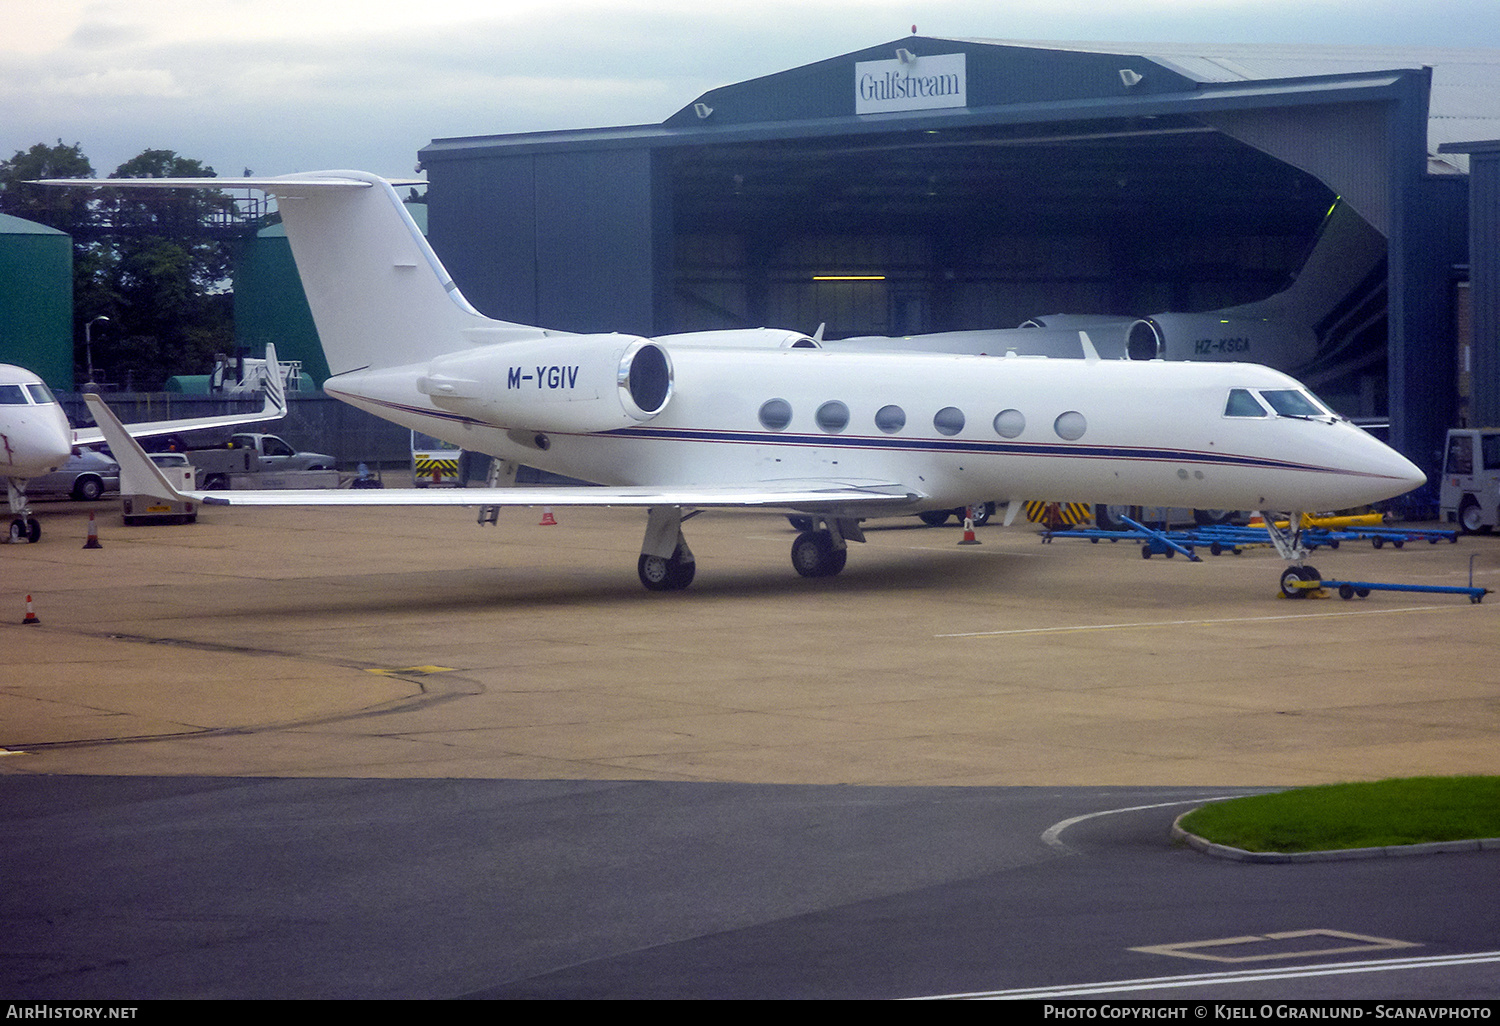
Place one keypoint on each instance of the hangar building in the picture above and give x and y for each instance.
(932, 184)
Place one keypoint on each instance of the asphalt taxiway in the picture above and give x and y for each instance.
(395, 753)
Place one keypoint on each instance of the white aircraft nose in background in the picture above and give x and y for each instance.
(35, 437)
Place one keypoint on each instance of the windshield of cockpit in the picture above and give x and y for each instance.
(16, 395)
(1279, 402)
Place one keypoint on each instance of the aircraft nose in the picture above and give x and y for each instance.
(1388, 463)
(40, 446)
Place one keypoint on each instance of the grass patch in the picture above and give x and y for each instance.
(1411, 810)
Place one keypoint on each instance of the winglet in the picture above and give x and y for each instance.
(138, 475)
(275, 385)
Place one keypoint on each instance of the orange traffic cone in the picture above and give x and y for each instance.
(548, 520)
(31, 616)
(93, 539)
(969, 538)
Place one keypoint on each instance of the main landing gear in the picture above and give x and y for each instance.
(814, 554)
(666, 562)
(1297, 577)
(672, 573)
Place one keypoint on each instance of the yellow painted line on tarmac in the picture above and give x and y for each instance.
(1083, 628)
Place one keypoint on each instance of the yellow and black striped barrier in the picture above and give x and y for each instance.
(1056, 515)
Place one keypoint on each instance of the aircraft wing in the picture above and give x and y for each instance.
(273, 409)
(803, 495)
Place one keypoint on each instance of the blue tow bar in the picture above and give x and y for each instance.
(1160, 538)
(1349, 589)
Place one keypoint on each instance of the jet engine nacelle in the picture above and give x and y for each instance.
(1207, 336)
(571, 383)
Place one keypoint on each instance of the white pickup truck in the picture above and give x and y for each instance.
(253, 460)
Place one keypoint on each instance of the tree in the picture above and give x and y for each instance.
(155, 262)
(63, 209)
(167, 273)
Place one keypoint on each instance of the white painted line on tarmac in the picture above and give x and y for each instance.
(1194, 623)
(1078, 990)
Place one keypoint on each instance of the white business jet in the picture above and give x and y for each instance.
(36, 439)
(680, 427)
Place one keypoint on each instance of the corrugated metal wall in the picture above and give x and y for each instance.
(1484, 292)
(565, 240)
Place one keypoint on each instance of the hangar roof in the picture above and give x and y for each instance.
(1465, 101)
(1049, 133)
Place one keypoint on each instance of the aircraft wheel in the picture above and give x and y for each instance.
(813, 555)
(935, 517)
(1292, 575)
(33, 530)
(982, 513)
(659, 574)
(17, 530)
(801, 523)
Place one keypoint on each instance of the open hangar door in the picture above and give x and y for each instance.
(925, 231)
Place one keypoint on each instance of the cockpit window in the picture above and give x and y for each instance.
(12, 395)
(1293, 402)
(1243, 404)
(41, 394)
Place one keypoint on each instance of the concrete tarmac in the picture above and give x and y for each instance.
(417, 643)
(332, 754)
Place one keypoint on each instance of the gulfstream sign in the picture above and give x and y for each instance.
(924, 83)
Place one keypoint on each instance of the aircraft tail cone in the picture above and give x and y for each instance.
(548, 520)
(969, 538)
(93, 539)
(31, 616)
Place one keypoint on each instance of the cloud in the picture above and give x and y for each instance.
(293, 84)
(122, 85)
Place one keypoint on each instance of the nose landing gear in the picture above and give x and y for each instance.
(1298, 579)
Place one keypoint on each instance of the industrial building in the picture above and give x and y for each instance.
(932, 184)
(36, 299)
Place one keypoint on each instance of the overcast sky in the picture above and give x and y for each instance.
(276, 86)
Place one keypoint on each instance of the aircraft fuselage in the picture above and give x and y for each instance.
(959, 428)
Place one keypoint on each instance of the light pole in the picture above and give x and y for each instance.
(88, 349)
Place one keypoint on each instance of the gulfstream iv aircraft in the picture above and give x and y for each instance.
(36, 439)
(754, 419)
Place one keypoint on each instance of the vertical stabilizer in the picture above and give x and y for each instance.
(379, 295)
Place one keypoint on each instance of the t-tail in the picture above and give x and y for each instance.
(379, 295)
